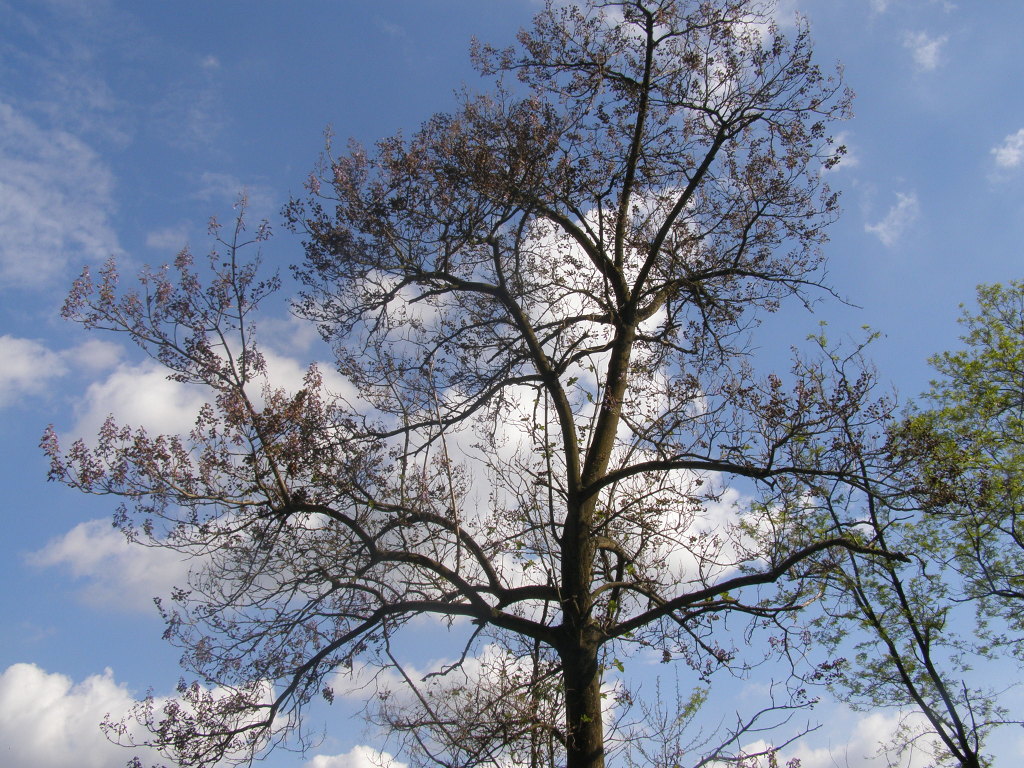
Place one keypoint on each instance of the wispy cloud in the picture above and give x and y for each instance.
(1010, 154)
(225, 189)
(29, 366)
(926, 50)
(56, 200)
(170, 239)
(897, 220)
(51, 62)
(116, 574)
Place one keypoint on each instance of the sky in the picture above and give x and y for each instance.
(125, 126)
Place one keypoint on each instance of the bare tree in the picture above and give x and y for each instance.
(544, 303)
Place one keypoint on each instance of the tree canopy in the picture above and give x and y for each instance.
(971, 441)
(552, 428)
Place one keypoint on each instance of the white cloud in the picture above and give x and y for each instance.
(897, 220)
(118, 574)
(56, 196)
(93, 355)
(171, 239)
(865, 741)
(27, 367)
(850, 159)
(292, 333)
(926, 50)
(357, 757)
(139, 395)
(225, 189)
(1010, 154)
(284, 372)
(142, 395)
(455, 689)
(48, 721)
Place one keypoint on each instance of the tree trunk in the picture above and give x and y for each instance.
(584, 725)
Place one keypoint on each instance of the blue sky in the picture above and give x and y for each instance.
(124, 126)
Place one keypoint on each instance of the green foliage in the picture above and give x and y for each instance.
(951, 499)
(970, 449)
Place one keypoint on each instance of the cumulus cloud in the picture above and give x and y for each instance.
(357, 757)
(866, 740)
(29, 367)
(117, 574)
(56, 197)
(897, 220)
(49, 721)
(139, 395)
(287, 373)
(1010, 154)
(925, 49)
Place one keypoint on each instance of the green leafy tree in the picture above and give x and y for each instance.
(900, 618)
(951, 498)
(543, 304)
(971, 447)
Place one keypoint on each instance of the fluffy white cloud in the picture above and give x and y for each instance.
(864, 740)
(897, 220)
(1010, 154)
(142, 395)
(56, 196)
(357, 757)
(27, 367)
(925, 49)
(139, 395)
(287, 372)
(117, 574)
(48, 721)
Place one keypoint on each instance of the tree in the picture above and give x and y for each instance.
(951, 497)
(902, 620)
(969, 445)
(543, 304)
